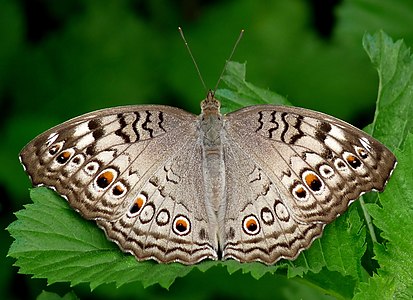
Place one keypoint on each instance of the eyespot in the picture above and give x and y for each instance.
(266, 216)
(91, 168)
(312, 181)
(181, 225)
(105, 178)
(137, 205)
(300, 192)
(163, 217)
(340, 164)
(361, 152)
(281, 212)
(64, 156)
(352, 160)
(118, 190)
(78, 159)
(250, 225)
(55, 148)
(147, 213)
(326, 171)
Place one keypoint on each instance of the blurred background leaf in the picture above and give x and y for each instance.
(59, 59)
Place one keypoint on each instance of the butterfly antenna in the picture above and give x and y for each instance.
(229, 58)
(192, 57)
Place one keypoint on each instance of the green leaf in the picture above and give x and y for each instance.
(243, 93)
(340, 249)
(377, 288)
(395, 218)
(394, 215)
(394, 65)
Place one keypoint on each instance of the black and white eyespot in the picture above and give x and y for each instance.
(64, 156)
(137, 205)
(352, 160)
(361, 152)
(91, 168)
(250, 225)
(313, 181)
(326, 171)
(105, 179)
(267, 216)
(300, 192)
(78, 159)
(147, 213)
(162, 218)
(181, 225)
(118, 190)
(340, 164)
(281, 212)
(55, 148)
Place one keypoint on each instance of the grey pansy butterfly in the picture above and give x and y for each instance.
(258, 184)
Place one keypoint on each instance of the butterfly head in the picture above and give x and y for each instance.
(210, 105)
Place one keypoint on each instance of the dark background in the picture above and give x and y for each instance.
(60, 59)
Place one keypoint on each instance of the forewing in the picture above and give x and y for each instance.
(127, 168)
(304, 167)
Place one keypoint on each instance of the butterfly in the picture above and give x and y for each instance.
(257, 184)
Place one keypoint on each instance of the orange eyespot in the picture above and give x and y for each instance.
(312, 181)
(105, 179)
(251, 225)
(353, 161)
(300, 192)
(138, 204)
(63, 157)
(181, 225)
(118, 189)
(363, 154)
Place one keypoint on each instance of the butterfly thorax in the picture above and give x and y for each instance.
(211, 127)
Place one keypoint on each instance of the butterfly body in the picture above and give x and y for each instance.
(258, 184)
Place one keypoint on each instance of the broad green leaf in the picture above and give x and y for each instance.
(377, 288)
(394, 65)
(394, 217)
(242, 93)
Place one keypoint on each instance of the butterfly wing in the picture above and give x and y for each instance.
(297, 170)
(136, 171)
